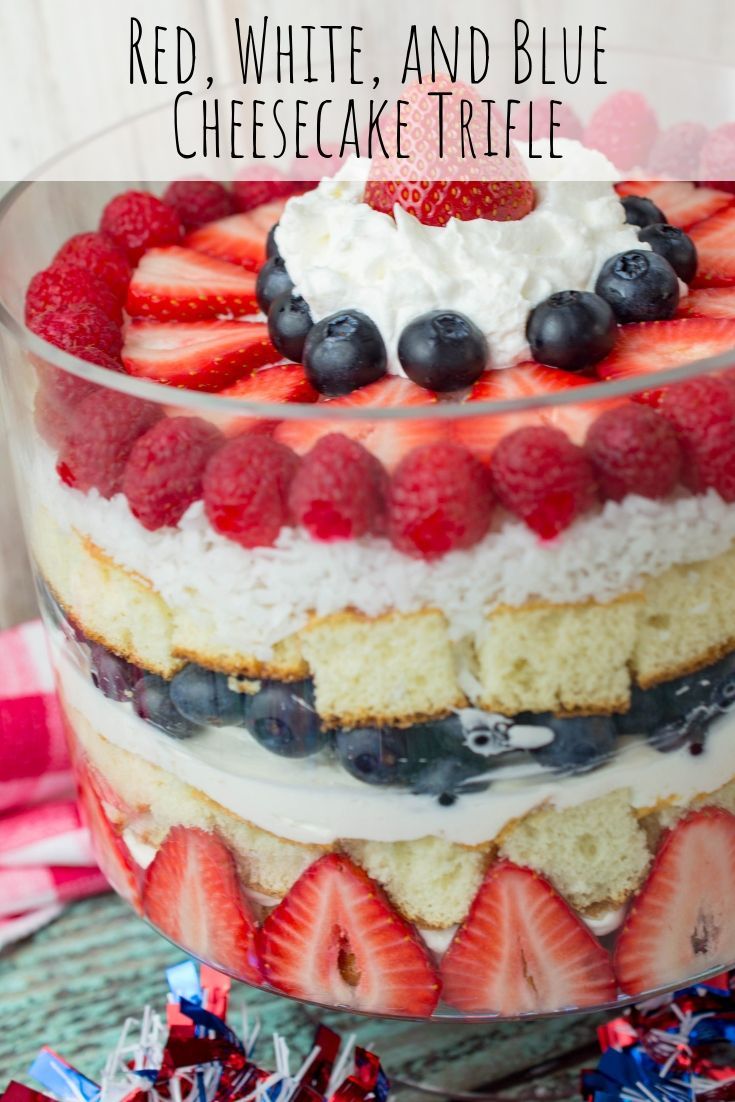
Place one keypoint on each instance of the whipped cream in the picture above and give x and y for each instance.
(252, 599)
(342, 254)
(313, 800)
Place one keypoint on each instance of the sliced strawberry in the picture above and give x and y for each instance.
(525, 380)
(176, 284)
(335, 939)
(681, 921)
(715, 244)
(205, 355)
(647, 347)
(283, 383)
(389, 440)
(522, 950)
(240, 238)
(192, 894)
(113, 856)
(709, 302)
(683, 204)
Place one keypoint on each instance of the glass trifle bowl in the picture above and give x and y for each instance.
(408, 695)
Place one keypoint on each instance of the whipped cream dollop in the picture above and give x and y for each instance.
(342, 254)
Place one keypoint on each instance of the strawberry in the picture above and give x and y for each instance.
(709, 302)
(715, 244)
(279, 384)
(647, 347)
(335, 939)
(522, 950)
(192, 894)
(198, 355)
(389, 440)
(680, 923)
(113, 856)
(435, 189)
(241, 238)
(624, 128)
(177, 284)
(683, 204)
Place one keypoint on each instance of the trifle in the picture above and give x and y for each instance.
(384, 536)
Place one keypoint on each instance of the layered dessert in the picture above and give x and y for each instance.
(382, 695)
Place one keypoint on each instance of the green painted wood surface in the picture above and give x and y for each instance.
(72, 985)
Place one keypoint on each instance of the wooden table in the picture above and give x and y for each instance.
(72, 985)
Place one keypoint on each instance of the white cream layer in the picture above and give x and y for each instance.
(315, 801)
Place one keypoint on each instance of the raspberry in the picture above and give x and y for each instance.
(137, 220)
(338, 490)
(67, 390)
(64, 285)
(675, 153)
(106, 426)
(100, 256)
(544, 479)
(717, 159)
(164, 472)
(633, 451)
(439, 500)
(253, 192)
(54, 420)
(702, 412)
(198, 201)
(565, 117)
(246, 486)
(78, 327)
(624, 128)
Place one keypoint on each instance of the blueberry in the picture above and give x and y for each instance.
(113, 676)
(374, 755)
(571, 330)
(271, 249)
(641, 212)
(283, 719)
(289, 323)
(673, 245)
(442, 351)
(648, 710)
(204, 697)
(639, 285)
(273, 280)
(343, 352)
(152, 702)
(580, 742)
(439, 761)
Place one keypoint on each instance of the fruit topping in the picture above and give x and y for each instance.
(717, 157)
(675, 152)
(289, 324)
(279, 384)
(522, 950)
(338, 491)
(624, 128)
(164, 472)
(439, 500)
(540, 476)
(714, 241)
(240, 238)
(633, 451)
(639, 286)
(689, 893)
(571, 330)
(205, 355)
(343, 352)
(64, 285)
(673, 245)
(273, 280)
(443, 351)
(177, 284)
(112, 675)
(96, 449)
(100, 256)
(192, 894)
(205, 698)
(283, 718)
(702, 412)
(580, 743)
(684, 204)
(152, 702)
(246, 487)
(253, 193)
(641, 211)
(137, 220)
(198, 201)
(335, 939)
(78, 327)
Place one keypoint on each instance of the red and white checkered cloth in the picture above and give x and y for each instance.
(45, 855)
